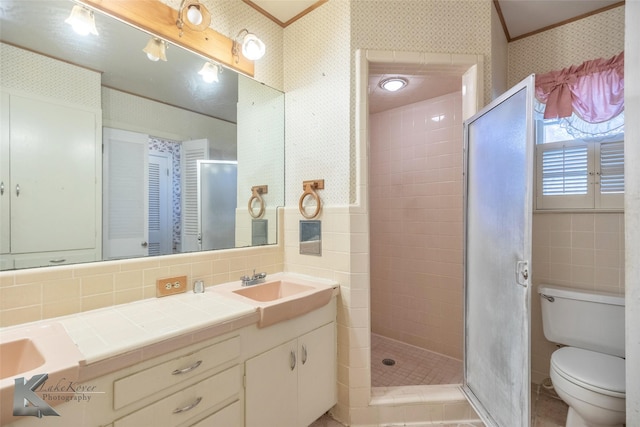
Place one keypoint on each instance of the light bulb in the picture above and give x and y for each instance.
(393, 84)
(194, 15)
(82, 21)
(252, 47)
(209, 72)
(153, 57)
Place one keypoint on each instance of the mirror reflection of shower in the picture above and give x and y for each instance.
(217, 202)
(415, 170)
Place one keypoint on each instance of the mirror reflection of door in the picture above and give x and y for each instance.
(137, 196)
(192, 151)
(217, 202)
(125, 201)
(160, 202)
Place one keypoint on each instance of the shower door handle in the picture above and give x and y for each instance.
(522, 273)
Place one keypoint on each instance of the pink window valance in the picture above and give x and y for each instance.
(594, 90)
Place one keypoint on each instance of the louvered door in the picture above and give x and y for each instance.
(192, 151)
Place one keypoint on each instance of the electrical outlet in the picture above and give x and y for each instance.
(171, 286)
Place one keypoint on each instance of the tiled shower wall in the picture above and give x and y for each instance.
(416, 224)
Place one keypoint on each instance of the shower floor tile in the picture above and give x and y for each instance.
(413, 365)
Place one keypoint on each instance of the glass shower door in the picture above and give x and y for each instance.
(498, 213)
(217, 202)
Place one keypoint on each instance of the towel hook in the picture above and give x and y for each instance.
(310, 188)
(256, 194)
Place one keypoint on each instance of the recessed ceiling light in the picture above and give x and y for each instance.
(393, 84)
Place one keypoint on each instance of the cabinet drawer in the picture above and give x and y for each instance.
(188, 402)
(158, 378)
(229, 416)
(54, 258)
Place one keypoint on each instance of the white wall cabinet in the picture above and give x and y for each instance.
(50, 182)
(292, 384)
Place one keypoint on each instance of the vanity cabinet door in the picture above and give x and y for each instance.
(317, 373)
(271, 387)
(295, 383)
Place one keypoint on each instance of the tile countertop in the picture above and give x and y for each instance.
(113, 338)
(113, 331)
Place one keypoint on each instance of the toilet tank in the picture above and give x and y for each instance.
(584, 319)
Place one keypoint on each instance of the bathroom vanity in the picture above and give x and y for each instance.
(196, 360)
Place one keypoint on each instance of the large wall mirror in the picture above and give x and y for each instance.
(106, 154)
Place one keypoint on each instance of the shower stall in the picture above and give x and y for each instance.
(416, 215)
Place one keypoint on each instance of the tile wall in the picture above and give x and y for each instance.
(42, 293)
(577, 250)
(416, 224)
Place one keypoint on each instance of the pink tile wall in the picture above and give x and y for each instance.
(416, 224)
(576, 250)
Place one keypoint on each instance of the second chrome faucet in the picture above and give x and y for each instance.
(253, 280)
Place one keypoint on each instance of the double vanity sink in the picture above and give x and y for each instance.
(71, 347)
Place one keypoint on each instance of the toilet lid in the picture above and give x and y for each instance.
(594, 371)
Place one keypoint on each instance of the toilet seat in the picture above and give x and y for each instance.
(597, 372)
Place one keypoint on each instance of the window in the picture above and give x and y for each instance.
(578, 173)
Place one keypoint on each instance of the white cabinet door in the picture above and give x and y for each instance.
(271, 387)
(54, 176)
(317, 373)
(293, 384)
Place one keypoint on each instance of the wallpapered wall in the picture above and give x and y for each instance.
(598, 36)
(459, 26)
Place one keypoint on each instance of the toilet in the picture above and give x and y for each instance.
(588, 373)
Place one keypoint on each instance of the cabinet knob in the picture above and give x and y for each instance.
(1, 188)
(144, 244)
(17, 190)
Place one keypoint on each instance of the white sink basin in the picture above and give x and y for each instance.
(282, 297)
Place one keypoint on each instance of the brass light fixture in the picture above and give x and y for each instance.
(82, 21)
(252, 47)
(156, 49)
(194, 15)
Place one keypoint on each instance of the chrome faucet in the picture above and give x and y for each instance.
(253, 280)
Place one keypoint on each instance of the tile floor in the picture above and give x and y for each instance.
(413, 365)
(547, 410)
(416, 366)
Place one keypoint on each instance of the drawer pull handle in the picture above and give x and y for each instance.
(188, 407)
(187, 369)
(304, 354)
